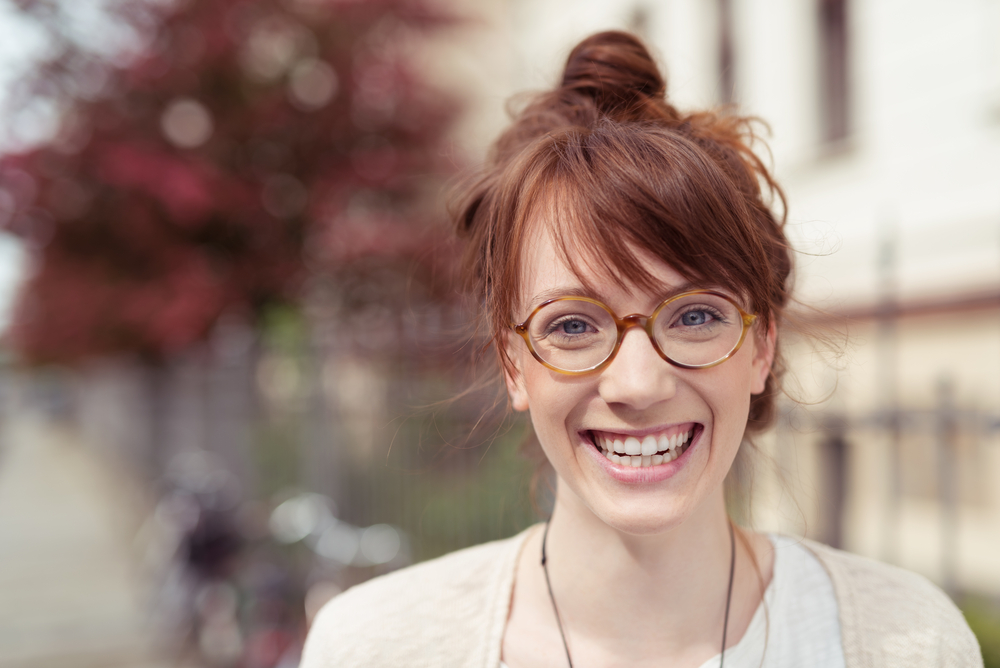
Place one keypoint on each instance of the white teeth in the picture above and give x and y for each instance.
(650, 451)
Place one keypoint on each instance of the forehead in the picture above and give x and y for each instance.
(555, 264)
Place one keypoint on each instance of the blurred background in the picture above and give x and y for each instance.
(236, 375)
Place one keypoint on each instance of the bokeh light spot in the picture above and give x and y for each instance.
(273, 45)
(312, 85)
(186, 123)
(380, 543)
(299, 517)
(339, 542)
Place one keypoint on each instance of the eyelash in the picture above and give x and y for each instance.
(716, 315)
(553, 326)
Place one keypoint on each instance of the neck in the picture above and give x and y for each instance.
(664, 592)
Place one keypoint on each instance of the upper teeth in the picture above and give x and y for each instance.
(649, 445)
(650, 450)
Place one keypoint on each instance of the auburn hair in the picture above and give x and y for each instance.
(614, 169)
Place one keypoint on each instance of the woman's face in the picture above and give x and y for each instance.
(638, 395)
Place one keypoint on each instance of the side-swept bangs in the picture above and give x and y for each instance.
(608, 193)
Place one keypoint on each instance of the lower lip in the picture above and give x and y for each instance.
(650, 474)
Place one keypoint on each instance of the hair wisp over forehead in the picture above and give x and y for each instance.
(607, 194)
(608, 167)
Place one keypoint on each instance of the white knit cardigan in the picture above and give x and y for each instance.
(451, 612)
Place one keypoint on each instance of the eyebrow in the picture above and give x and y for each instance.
(580, 291)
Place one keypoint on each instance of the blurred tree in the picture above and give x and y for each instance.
(221, 154)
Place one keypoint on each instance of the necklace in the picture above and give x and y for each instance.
(729, 594)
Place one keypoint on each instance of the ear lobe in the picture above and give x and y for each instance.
(764, 350)
(515, 387)
(512, 376)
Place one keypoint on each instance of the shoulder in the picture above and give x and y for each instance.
(893, 617)
(439, 612)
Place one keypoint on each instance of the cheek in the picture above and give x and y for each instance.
(553, 400)
(727, 391)
(731, 404)
(734, 420)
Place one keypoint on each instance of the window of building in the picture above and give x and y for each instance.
(638, 21)
(834, 76)
(727, 70)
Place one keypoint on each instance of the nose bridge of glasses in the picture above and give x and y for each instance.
(633, 320)
(641, 322)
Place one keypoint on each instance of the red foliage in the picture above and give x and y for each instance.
(246, 138)
(181, 186)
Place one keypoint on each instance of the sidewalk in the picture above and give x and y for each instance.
(70, 593)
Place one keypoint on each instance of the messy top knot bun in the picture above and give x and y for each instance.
(613, 170)
(614, 72)
(608, 75)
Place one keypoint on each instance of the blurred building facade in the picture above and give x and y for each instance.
(885, 132)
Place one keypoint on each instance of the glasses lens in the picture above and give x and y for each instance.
(698, 329)
(573, 334)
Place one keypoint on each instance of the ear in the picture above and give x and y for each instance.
(514, 380)
(764, 348)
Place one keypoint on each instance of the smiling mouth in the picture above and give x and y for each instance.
(645, 451)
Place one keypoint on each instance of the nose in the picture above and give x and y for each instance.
(637, 378)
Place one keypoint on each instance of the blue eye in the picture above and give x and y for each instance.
(573, 327)
(694, 318)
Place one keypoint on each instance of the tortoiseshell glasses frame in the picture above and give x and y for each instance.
(647, 322)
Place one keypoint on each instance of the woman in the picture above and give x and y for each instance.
(633, 277)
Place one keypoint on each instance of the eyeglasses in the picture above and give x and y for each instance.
(578, 335)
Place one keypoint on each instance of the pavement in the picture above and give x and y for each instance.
(72, 592)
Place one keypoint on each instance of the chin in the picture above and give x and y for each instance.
(641, 519)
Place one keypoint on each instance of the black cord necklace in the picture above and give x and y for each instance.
(729, 594)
